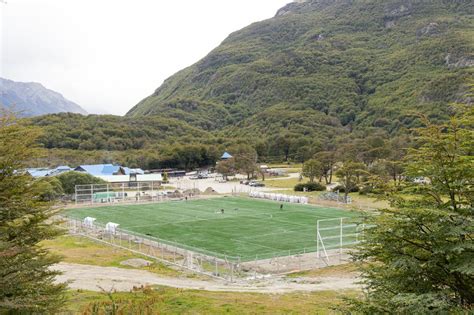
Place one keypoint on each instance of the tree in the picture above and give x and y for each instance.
(349, 175)
(328, 160)
(262, 172)
(52, 190)
(418, 256)
(69, 180)
(245, 159)
(312, 169)
(226, 168)
(26, 280)
(393, 164)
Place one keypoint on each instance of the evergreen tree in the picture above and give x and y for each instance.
(418, 256)
(26, 282)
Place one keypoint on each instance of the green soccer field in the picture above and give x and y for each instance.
(248, 228)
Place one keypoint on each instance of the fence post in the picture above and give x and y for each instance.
(317, 239)
(162, 251)
(123, 192)
(340, 240)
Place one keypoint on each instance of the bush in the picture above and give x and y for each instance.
(310, 187)
(366, 190)
(50, 187)
(69, 180)
(343, 190)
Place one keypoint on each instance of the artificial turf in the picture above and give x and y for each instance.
(248, 228)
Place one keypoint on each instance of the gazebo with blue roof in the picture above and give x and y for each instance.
(226, 156)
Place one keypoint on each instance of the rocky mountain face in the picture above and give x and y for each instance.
(325, 67)
(33, 99)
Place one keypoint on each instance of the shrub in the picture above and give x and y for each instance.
(343, 190)
(310, 187)
(51, 188)
(69, 180)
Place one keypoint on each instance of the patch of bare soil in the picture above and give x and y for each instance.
(96, 278)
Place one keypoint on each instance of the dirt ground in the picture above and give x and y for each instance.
(96, 278)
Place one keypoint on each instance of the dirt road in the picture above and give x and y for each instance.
(95, 278)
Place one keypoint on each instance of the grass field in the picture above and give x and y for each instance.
(248, 228)
(178, 301)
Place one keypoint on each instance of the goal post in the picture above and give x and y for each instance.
(334, 235)
(117, 192)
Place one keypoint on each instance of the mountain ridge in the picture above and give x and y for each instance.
(34, 99)
(346, 65)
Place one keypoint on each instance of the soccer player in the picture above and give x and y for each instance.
(281, 206)
(222, 211)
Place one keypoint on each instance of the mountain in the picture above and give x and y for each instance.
(33, 99)
(322, 68)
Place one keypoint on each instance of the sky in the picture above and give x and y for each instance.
(107, 55)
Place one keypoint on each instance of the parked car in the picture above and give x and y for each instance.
(245, 182)
(256, 184)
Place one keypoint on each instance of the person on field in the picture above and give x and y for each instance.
(281, 206)
(222, 211)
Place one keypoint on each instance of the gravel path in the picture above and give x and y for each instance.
(95, 278)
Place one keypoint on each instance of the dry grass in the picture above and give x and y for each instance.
(178, 301)
(282, 183)
(344, 270)
(81, 250)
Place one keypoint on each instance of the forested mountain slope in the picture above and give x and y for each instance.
(327, 67)
(317, 76)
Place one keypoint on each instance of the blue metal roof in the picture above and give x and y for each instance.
(63, 167)
(129, 171)
(98, 169)
(226, 156)
(38, 172)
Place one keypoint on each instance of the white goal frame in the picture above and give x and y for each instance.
(333, 235)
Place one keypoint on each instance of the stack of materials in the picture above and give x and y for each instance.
(278, 197)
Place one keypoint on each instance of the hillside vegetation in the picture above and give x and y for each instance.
(316, 76)
(322, 67)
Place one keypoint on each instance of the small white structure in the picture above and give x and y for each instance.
(88, 222)
(111, 227)
(278, 197)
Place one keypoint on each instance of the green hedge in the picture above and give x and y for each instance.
(310, 187)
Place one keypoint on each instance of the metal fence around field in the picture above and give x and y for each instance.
(332, 245)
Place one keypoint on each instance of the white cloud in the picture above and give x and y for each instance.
(106, 55)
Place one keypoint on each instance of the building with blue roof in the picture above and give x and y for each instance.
(101, 169)
(43, 172)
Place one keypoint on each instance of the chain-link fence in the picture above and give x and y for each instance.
(332, 244)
